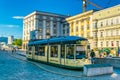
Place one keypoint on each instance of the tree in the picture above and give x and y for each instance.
(17, 42)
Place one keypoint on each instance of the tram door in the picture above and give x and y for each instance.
(33, 52)
(62, 51)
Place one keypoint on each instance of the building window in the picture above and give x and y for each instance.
(82, 28)
(63, 31)
(101, 24)
(112, 44)
(63, 25)
(88, 26)
(54, 31)
(117, 44)
(40, 30)
(54, 24)
(40, 37)
(106, 43)
(47, 24)
(47, 30)
(95, 25)
(101, 34)
(76, 22)
(67, 30)
(76, 28)
(117, 32)
(111, 21)
(88, 34)
(40, 23)
(95, 34)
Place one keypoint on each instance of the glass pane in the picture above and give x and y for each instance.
(80, 52)
(70, 52)
(54, 51)
(41, 51)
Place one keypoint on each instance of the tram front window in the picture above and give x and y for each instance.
(70, 52)
(80, 52)
(29, 50)
(41, 51)
(54, 51)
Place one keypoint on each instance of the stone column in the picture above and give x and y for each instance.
(44, 27)
(58, 27)
(74, 28)
(62, 29)
(51, 26)
(37, 24)
(66, 26)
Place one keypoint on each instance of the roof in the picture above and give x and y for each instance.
(64, 39)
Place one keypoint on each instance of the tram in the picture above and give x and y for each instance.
(68, 52)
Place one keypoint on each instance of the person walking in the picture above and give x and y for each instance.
(92, 55)
(12, 51)
(118, 51)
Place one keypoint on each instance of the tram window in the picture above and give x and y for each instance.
(70, 52)
(41, 51)
(54, 51)
(80, 52)
(29, 49)
(36, 50)
(62, 51)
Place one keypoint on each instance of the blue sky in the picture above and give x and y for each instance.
(12, 11)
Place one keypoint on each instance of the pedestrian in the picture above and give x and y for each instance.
(92, 55)
(12, 51)
(118, 52)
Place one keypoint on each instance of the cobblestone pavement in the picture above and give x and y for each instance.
(12, 68)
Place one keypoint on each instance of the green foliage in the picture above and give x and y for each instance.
(17, 42)
(107, 50)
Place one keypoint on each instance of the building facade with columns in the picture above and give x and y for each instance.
(80, 25)
(106, 28)
(46, 24)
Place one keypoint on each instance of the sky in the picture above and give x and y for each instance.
(13, 11)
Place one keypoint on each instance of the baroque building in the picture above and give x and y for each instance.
(106, 28)
(80, 25)
(101, 28)
(46, 24)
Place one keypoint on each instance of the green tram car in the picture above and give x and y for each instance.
(68, 52)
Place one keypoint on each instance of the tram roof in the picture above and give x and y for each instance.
(63, 39)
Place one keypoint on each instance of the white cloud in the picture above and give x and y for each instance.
(18, 17)
(9, 26)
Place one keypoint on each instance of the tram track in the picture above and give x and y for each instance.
(17, 57)
(41, 67)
